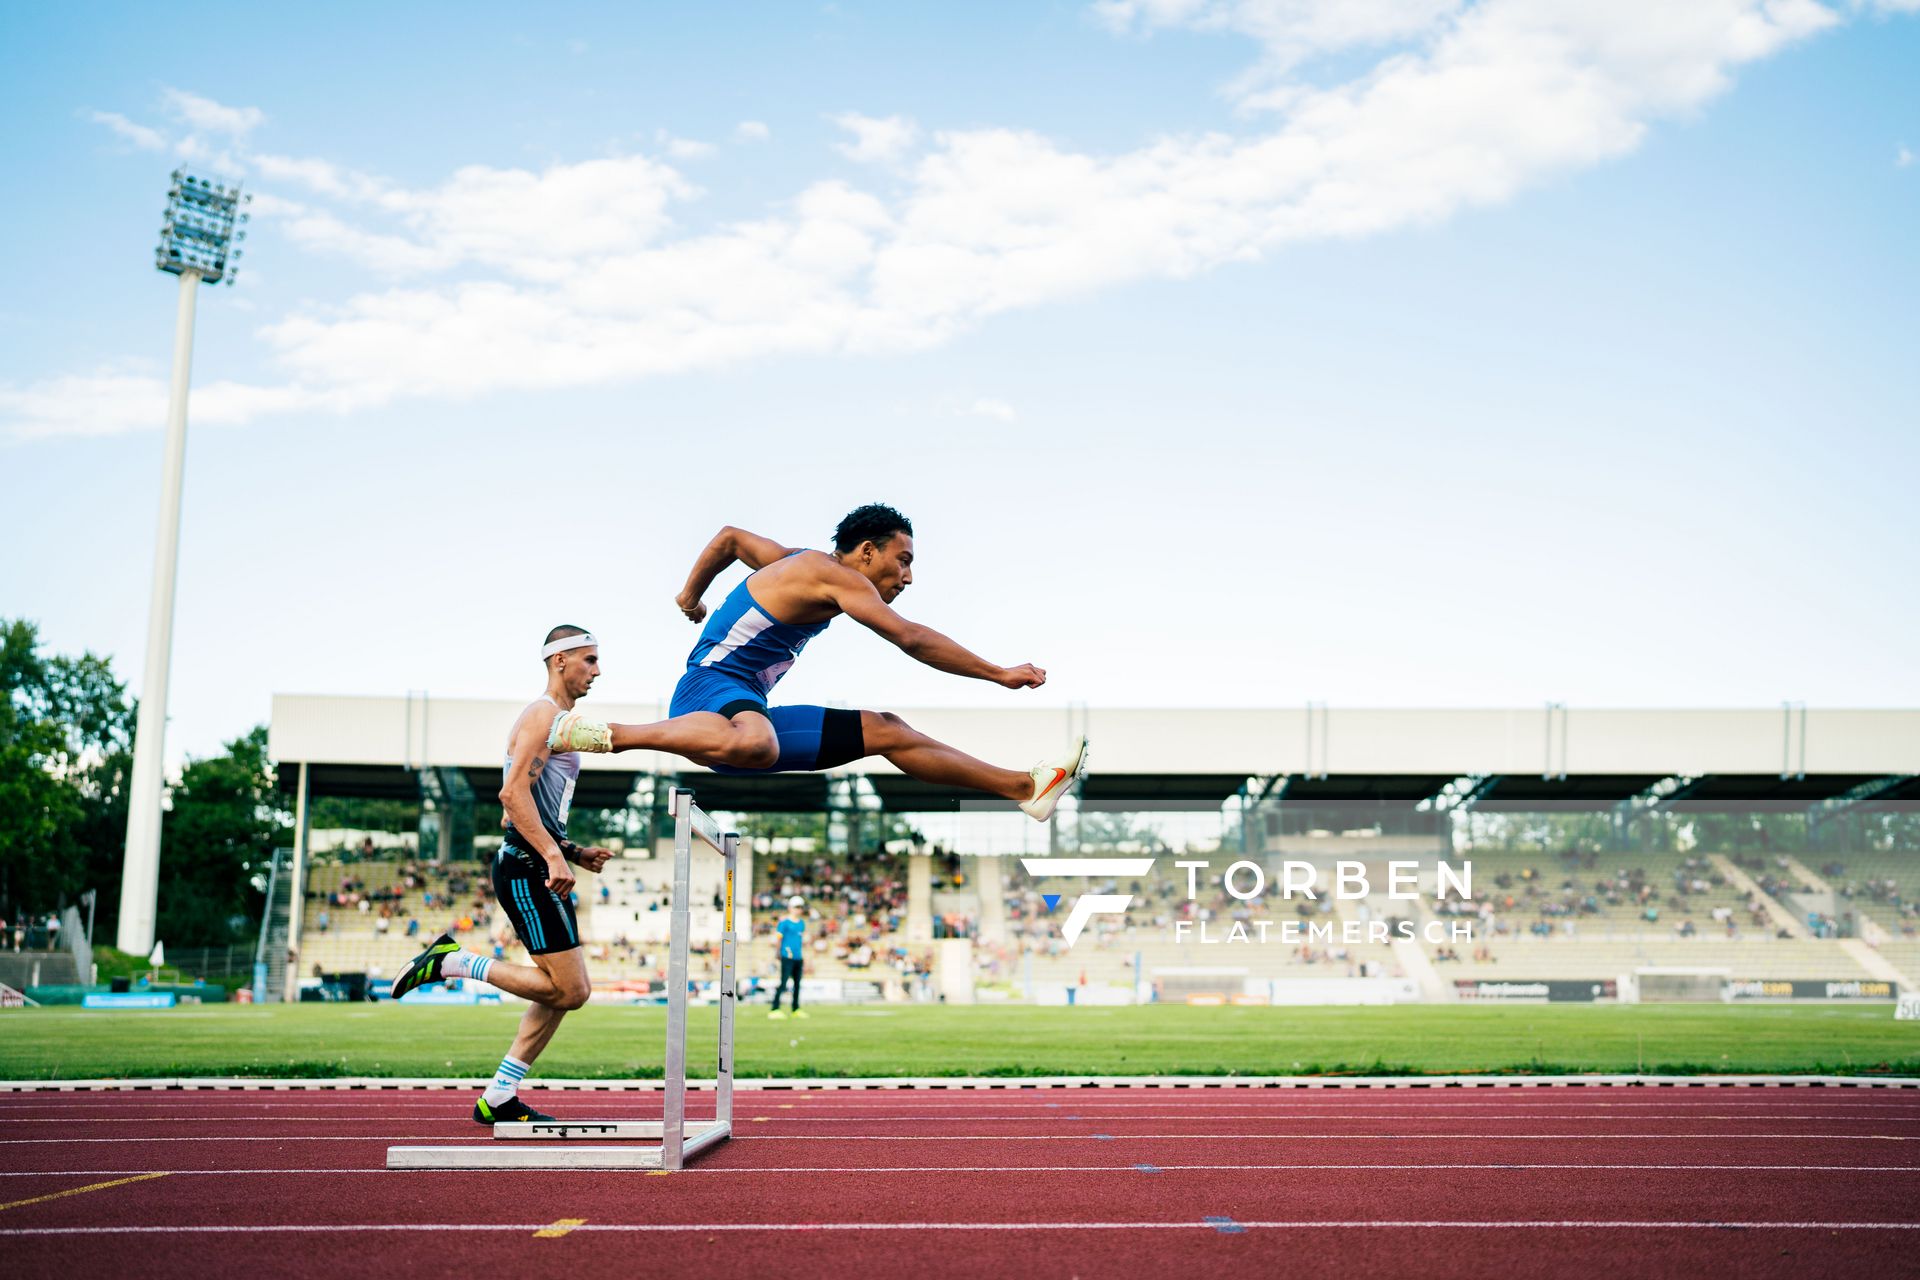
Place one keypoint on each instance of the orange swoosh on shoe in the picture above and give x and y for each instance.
(1058, 775)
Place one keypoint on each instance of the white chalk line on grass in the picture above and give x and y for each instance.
(1034, 1137)
(704, 1169)
(901, 1227)
(939, 1086)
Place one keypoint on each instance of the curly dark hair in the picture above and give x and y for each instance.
(875, 523)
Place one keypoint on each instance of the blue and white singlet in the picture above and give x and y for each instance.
(745, 642)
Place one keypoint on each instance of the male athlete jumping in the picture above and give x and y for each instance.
(531, 880)
(720, 717)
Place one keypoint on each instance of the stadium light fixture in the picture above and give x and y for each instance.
(200, 240)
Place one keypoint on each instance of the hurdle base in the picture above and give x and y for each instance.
(578, 1130)
(575, 1150)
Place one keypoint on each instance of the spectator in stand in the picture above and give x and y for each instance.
(793, 932)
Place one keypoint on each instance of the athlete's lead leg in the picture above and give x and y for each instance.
(918, 756)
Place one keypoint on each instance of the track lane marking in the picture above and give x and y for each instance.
(1044, 1137)
(554, 1230)
(79, 1191)
(1572, 1224)
(981, 1117)
(704, 1169)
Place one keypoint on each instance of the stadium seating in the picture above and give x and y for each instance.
(1541, 927)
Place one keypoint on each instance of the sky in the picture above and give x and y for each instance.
(1223, 352)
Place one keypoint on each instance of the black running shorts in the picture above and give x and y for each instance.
(543, 919)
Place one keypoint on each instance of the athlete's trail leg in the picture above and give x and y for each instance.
(918, 756)
(746, 741)
(550, 986)
(566, 973)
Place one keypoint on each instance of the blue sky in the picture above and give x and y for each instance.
(1224, 353)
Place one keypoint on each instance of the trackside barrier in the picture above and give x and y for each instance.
(569, 1144)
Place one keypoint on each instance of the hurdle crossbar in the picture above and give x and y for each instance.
(679, 1140)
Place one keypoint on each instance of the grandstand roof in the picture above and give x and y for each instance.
(1189, 758)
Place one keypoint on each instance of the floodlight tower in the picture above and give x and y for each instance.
(198, 241)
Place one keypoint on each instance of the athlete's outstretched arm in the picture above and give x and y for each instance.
(727, 546)
(858, 600)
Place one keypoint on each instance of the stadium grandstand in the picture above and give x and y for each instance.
(1774, 853)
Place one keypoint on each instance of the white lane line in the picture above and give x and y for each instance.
(1036, 1137)
(1288, 1101)
(685, 1227)
(1034, 1168)
(921, 1116)
(1270, 1137)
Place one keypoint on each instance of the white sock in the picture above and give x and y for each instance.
(465, 964)
(506, 1081)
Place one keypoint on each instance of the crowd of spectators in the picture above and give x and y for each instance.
(448, 896)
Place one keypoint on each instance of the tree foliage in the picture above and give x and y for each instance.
(66, 764)
(66, 735)
(225, 823)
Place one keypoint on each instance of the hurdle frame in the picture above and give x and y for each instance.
(679, 1141)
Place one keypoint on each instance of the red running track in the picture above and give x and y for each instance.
(1606, 1182)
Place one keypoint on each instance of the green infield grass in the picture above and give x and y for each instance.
(986, 1040)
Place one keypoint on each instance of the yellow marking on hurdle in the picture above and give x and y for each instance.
(80, 1191)
(558, 1229)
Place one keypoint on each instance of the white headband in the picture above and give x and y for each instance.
(565, 643)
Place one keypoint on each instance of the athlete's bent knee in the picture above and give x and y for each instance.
(573, 995)
(884, 731)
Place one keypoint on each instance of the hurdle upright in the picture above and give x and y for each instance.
(576, 1143)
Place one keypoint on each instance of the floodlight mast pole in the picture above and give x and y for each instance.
(140, 875)
(198, 241)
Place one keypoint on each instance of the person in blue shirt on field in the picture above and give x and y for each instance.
(793, 933)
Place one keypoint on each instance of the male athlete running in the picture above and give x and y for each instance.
(720, 717)
(531, 880)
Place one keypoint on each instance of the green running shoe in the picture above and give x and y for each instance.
(511, 1109)
(425, 967)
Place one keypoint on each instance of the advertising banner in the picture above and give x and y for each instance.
(1543, 991)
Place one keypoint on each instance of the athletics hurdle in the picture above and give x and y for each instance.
(676, 1147)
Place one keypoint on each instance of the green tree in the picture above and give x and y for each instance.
(66, 729)
(225, 823)
(358, 814)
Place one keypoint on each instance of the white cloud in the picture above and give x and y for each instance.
(576, 274)
(209, 116)
(533, 225)
(688, 149)
(1903, 157)
(996, 410)
(138, 134)
(321, 177)
(751, 131)
(112, 402)
(876, 140)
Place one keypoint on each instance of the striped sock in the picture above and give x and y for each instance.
(506, 1081)
(465, 964)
